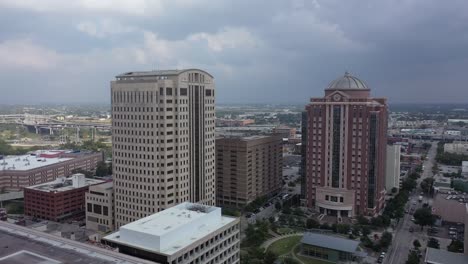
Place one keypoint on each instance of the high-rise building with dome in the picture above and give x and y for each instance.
(345, 150)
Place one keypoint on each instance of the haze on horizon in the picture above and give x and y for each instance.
(258, 51)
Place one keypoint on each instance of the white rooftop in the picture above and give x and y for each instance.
(173, 229)
(28, 162)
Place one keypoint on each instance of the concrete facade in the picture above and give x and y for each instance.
(456, 147)
(247, 168)
(183, 234)
(100, 208)
(15, 179)
(392, 167)
(163, 141)
(346, 148)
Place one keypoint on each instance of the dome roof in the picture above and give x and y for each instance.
(347, 82)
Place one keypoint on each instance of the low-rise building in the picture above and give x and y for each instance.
(220, 122)
(464, 167)
(17, 172)
(456, 148)
(247, 168)
(453, 132)
(285, 131)
(330, 248)
(450, 207)
(58, 200)
(100, 208)
(439, 256)
(185, 233)
(392, 167)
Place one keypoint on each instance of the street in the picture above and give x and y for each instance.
(403, 238)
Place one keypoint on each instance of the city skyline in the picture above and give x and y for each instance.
(411, 52)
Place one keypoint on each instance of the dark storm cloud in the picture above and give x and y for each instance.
(259, 51)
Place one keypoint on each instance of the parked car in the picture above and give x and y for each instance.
(411, 229)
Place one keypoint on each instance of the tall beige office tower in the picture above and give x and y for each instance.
(163, 141)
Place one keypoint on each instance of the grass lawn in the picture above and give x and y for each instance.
(284, 230)
(284, 245)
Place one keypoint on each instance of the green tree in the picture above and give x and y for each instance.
(455, 246)
(424, 217)
(269, 258)
(416, 244)
(278, 206)
(433, 243)
(343, 228)
(426, 185)
(312, 223)
(362, 220)
(101, 169)
(385, 240)
(413, 258)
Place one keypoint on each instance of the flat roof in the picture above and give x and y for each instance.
(437, 256)
(331, 242)
(173, 229)
(28, 162)
(63, 184)
(20, 245)
(105, 186)
(157, 73)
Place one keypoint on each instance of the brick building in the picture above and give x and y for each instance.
(17, 172)
(345, 150)
(61, 199)
(247, 168)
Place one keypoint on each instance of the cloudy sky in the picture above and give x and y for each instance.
(266, 51)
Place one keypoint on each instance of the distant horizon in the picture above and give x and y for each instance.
(227, 103)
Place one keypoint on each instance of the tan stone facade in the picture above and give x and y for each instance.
(163, 141)
(247, 168)
(100, 208)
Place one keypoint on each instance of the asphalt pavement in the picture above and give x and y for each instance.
(403, 238)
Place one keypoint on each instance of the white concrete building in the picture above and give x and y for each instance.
(453, 132)
(185, 233)
(392, 167)
(100, 208)
(456, 147)
(163, 141)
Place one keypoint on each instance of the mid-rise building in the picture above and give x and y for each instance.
(185, 233)
(285, 131)
(456, 148)
(100, 208)
(59, 200)
(247, 168)
(42, 166)
(345, 152)
(163, 141)
(392, 167)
